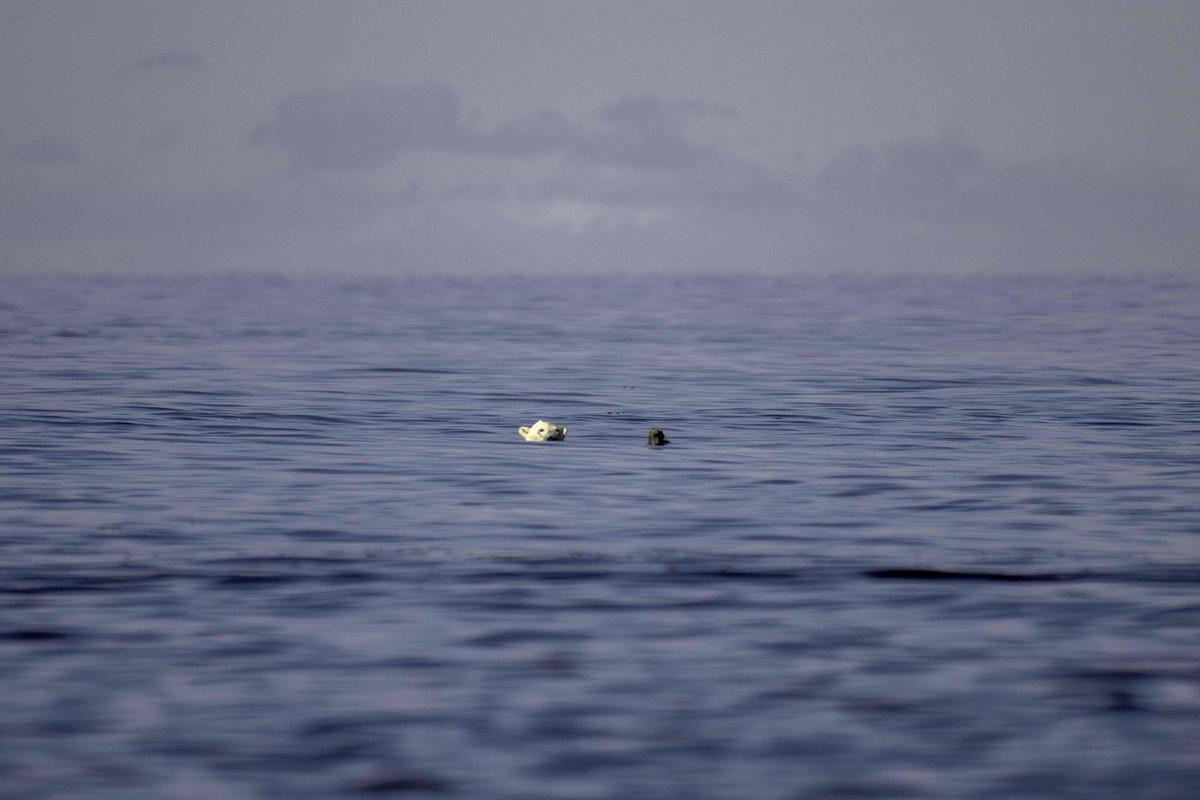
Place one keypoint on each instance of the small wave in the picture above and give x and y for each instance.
(403, 370)
(33, 635)
(1170, 575)
(959, 575)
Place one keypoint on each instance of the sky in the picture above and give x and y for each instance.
(550, 138)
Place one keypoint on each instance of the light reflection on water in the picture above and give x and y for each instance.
(280, 538)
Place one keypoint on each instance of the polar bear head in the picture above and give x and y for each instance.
(657, 437)
(543, 431)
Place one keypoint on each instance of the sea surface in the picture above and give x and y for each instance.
(912, 538)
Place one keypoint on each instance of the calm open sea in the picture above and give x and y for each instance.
(266, 538)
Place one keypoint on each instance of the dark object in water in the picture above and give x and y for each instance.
(657, 437)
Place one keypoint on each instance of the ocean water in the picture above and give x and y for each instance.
(268, 538)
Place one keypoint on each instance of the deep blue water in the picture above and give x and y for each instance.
(912, 538)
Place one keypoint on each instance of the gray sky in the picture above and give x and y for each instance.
(429, 137)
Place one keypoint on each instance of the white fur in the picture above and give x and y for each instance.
(543, 431)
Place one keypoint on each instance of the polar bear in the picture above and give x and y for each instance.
(657, 437)
(543, 431)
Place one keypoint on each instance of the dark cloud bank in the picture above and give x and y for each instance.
(632, 189)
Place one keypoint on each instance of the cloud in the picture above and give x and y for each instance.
(636, 132)
(939, 205)
(643, 131)
(275, 207)
(176, 60)
(367, 127)
(630, 188)
(364, 127)
(541, 133)
(944, 200)
(46, 150)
